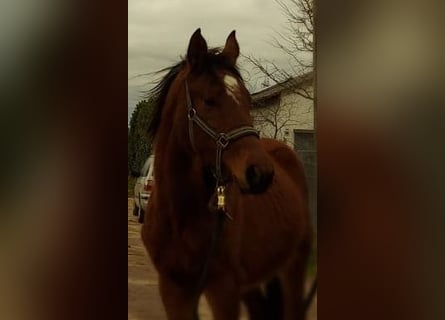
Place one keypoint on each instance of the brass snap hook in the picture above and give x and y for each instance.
(221, 204)
(221, 200)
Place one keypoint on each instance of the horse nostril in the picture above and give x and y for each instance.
(252, 175)
(258, 181)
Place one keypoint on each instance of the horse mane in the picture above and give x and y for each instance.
(159, 95)
(211, 62)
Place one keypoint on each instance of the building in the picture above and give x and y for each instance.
(282, 111)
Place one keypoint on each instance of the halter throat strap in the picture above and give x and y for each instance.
(222, 140)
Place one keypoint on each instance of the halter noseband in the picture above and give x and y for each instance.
(222, 140)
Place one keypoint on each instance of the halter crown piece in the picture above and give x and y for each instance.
(222, 140)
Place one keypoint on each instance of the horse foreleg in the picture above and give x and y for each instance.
(292, 286)
(291, 281)
(223, 296)
(256, 304)
(179, 301)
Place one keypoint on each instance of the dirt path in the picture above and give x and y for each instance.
(144, 302)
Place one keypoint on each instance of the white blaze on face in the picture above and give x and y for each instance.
(232, 87)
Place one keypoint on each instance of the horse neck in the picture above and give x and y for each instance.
(181, 173)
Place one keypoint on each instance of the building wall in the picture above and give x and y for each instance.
(289, 112)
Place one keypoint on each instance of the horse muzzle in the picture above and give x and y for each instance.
(250, 165)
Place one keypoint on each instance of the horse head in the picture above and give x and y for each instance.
(210, 104)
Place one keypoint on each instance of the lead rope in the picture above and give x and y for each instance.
(222, 140)
(216, 236)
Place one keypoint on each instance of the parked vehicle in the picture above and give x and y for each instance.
(143, 187)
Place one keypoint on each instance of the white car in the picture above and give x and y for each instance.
(143, 187)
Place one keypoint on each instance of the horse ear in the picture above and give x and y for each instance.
(231, 49)
(197, 48)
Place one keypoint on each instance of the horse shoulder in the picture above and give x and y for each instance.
(290, 162)
(287, 159)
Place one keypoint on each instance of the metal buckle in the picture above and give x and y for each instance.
(222, 140)
(191, 113)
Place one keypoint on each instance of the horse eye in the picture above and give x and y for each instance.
(209, 102)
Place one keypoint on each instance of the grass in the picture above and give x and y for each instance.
(312, 264)
(131, 183)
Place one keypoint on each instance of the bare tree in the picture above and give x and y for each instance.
(277, 108)
(272, 119)
(296, 41)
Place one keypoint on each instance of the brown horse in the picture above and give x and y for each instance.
(265, 242)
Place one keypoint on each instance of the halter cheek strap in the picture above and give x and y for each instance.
(222, 140)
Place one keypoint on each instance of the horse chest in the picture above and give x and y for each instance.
(178, 249)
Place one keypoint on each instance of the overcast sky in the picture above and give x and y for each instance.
(159, 31)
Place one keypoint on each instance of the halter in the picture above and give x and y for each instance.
(222, 140)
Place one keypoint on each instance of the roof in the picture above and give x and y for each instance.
(275, 90)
